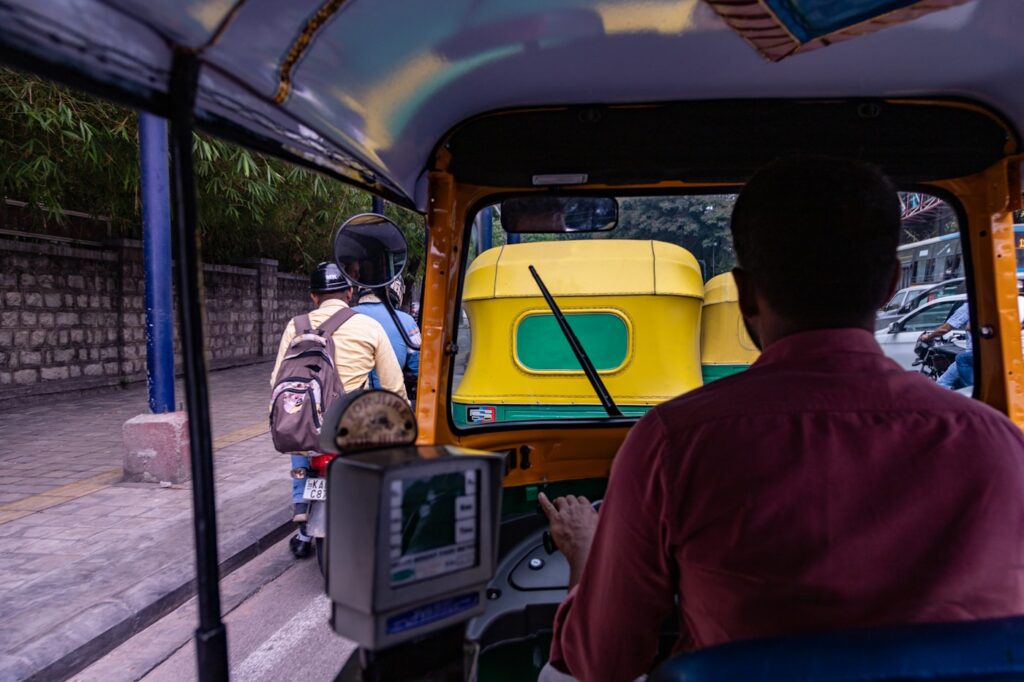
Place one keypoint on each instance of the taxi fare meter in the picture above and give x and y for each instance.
(411, 540)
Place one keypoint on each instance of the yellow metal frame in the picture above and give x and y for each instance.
(558, 453)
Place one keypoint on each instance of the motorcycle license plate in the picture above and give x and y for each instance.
(316, 490)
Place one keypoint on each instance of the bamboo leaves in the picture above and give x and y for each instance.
(63, 150)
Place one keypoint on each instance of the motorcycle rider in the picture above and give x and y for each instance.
(361, 346)
(408, 358)
(961, 372)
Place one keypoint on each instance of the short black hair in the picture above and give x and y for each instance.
(818, 237)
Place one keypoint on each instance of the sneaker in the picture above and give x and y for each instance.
(301, 514)
(301, 545)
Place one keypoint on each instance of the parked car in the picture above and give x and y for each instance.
(898, 340)
(892, 310)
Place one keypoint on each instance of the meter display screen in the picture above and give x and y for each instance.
(433, 526)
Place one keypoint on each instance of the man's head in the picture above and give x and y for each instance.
(327, 282)
(815, 241)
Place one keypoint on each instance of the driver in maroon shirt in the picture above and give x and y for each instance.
(823, 488)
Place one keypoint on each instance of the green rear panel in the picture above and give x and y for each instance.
(541, 346)
(508, 413)
(715, 372)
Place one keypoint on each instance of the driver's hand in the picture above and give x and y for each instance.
(573, 522)
(925, 336)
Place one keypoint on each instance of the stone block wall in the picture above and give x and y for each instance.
(293, 299)
(72, 315)
(232, 312)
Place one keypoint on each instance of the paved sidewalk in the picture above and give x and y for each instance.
(85, 560)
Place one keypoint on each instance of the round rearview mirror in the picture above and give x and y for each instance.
(370, 249)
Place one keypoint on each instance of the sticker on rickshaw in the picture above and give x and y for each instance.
(481, 415)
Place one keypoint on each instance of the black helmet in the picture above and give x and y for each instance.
(327, 277)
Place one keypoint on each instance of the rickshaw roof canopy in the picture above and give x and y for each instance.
(720, 289)
(585, 267)
(366, 90)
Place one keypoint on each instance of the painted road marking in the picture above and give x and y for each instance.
(72, 491)
(240, 435)
(287, 641)
(58, 495)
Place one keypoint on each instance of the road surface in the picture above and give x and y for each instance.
(277, 621)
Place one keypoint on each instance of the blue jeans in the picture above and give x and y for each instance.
(960, 373)
(298, 484)
(965, 366)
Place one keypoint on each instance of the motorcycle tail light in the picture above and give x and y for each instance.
(319, 463)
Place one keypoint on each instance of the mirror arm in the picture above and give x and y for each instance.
(577, 349)
(382, 294)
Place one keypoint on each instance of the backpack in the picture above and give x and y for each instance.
(306, 384)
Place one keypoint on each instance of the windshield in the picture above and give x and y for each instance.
(651, 304)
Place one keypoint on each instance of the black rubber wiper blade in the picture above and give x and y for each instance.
(577, 349)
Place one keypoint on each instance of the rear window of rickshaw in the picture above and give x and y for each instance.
(650, 342)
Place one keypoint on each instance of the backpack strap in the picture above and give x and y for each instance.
(302, 324)
(339, 318)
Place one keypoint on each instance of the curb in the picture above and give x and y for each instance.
(85, 655)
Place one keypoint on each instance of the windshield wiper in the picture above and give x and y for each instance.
(577, 349)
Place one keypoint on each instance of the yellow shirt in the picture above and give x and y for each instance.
(360, 346)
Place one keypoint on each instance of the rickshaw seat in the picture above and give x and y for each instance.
(966, 651)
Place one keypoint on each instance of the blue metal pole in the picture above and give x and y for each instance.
(486, 228)
(514, 238)
(156, 254)
(378, 205)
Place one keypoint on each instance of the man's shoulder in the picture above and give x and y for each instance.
(724, 397)
(757, 392)
(361, 322)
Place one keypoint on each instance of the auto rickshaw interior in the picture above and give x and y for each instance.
(675, 155)
(467, 105)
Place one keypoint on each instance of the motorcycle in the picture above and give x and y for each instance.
(315, 493)
(935, 356)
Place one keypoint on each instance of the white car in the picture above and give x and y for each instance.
(898, 340)
(890, 312)
(900, 337)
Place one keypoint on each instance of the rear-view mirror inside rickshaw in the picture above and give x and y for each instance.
(370, 250)
(546, 214)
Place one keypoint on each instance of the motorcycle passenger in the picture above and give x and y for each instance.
(961, 372)
(822, 488)
(408, 358)
(361, 346)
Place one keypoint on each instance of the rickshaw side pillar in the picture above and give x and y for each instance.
(211, 636)
(441, 234)
(989, 199)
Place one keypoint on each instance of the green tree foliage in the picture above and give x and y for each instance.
(64, 150)
(698, 222)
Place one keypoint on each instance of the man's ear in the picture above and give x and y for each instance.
(315, 299)
(745, 291)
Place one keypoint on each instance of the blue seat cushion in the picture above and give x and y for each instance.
(967, 651)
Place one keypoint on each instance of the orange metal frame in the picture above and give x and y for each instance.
(987, 198)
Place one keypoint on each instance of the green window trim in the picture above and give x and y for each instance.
(540, 347)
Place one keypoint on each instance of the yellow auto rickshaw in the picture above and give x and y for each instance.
(640, 329)
(725, 346)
